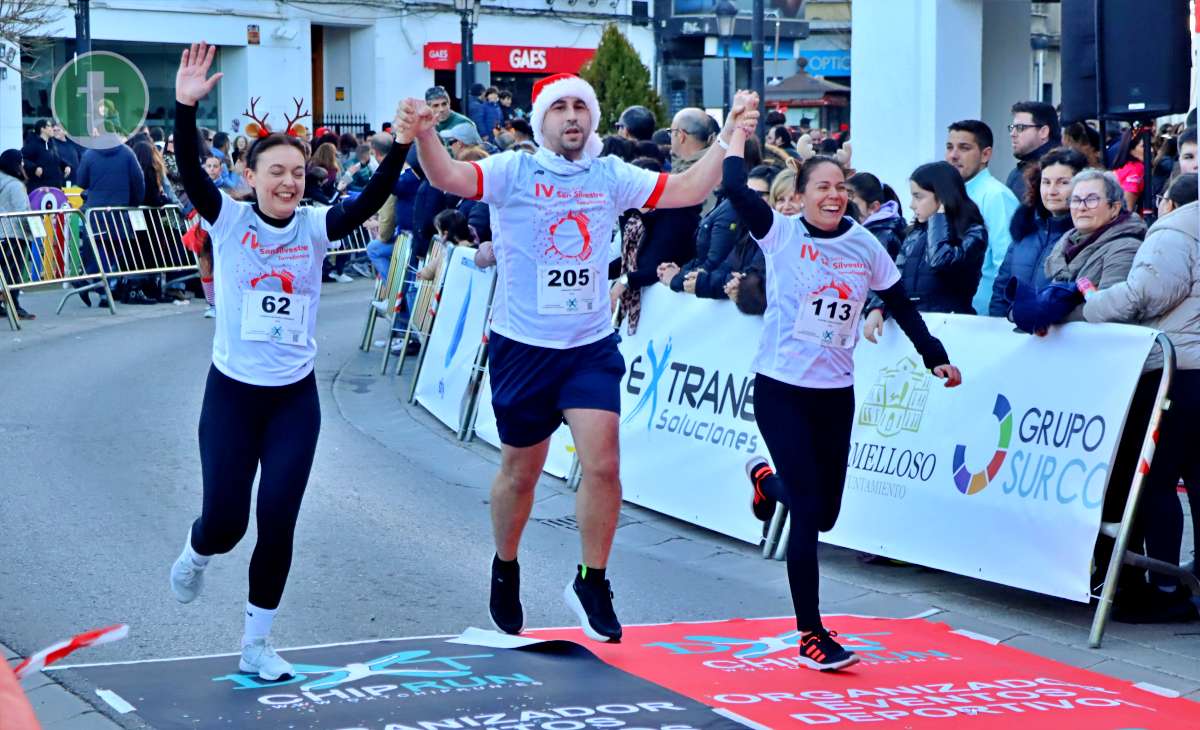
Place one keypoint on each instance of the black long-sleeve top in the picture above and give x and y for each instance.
(759, 217)
(342, 218)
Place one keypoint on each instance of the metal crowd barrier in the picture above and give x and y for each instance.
(136, 241)
(1119, 531)
(40, 248)
(420, 319)
(389, 291)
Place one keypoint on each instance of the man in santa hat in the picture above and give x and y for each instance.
(552, 353)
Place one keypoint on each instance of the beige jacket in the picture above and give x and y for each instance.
(1162, 289)
(1105, 262)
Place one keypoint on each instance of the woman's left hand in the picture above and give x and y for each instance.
(950, 374)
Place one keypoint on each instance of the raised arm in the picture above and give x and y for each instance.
(191, 85)
(443, 172)
(750, 208)
(694, 185)
(345, 217)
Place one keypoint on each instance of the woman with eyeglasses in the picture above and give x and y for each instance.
(1161, 291)
(1105, 236)
(1043, 217)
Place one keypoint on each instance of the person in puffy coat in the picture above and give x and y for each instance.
(13, 242)
(1162, 291)
(1043, 218)
(1104, 240)
(941, 259)
(880, 208)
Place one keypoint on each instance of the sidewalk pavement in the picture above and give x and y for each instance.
(55, 706)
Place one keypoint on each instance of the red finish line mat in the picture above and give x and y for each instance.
(684, 676)
(913, 674)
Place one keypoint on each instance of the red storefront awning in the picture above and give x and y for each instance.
(510, 59)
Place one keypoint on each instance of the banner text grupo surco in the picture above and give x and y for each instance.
(1002, 478)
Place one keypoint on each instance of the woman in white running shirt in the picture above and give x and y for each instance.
(821, 266)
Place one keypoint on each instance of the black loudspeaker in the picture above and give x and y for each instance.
(1078, 61)
(640, 10)
(1143, 58)
(1140, 64)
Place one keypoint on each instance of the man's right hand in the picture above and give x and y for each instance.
(414, 119)
(192, 82)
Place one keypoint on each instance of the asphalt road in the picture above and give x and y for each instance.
(102, 478)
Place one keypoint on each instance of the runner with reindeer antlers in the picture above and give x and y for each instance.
(260, 410)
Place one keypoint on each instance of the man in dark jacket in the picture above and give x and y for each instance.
(717, 255)
(485, 110)
(43, 167)
(111, 177)
(69, 151)
(1034, 132)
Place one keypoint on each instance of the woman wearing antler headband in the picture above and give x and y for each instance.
(261, 410)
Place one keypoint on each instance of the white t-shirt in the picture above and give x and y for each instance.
(249, 254)
(552, 242)
(816, 289)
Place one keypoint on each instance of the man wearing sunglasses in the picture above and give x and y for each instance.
(1034, 132)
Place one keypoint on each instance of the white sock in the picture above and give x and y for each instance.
(258, 623)
(197, 559)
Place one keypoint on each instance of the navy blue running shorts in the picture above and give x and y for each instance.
(532, 386)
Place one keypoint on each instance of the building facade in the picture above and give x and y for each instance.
(345, 59)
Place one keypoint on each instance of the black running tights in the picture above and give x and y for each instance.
(244, 428)
(807, 432)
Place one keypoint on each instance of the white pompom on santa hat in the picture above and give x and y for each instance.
(559, 86)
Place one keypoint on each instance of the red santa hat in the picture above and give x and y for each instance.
(559, 86)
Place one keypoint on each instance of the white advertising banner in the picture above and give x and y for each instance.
(1002, 478)
(562, 447)
(444, 381)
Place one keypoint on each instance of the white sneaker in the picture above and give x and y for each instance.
(210, 313)
(381, 306)
(187, 578)
(363, 270)
(343, 278)
(259, 657)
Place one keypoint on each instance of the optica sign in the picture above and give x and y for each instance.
(510, 59)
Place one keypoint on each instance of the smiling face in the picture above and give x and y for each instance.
(825, 197)
(278, 180)
(1088, 219)
(965, 154)
(566, 127)
(923, 202)
(1056, 188)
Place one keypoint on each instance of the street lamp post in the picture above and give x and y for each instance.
(466, 11)
(726, 18)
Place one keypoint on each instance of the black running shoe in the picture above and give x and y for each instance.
(591, 600)
(759, 471)
(819, 651)
(505, 605)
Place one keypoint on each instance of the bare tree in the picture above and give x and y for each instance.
(22, 24)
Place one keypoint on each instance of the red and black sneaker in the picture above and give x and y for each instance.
(819, 651)
(759, 471)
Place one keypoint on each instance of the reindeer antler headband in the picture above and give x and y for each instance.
(258, 126)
